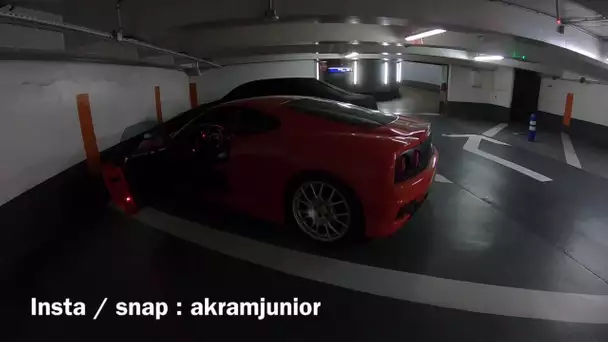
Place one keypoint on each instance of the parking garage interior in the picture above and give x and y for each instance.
(509, 243)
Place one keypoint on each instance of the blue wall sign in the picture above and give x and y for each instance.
(339, 69)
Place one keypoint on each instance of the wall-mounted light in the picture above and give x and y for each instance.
(352, 55)
(355, 72)
(385, 73)
(398, 72)
(425, 34)
(488, 58)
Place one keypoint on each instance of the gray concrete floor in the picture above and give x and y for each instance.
(490, 226)
(593, 159)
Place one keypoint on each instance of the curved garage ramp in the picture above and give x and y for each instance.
(511, 244)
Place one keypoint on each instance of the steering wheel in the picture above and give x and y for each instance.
(211, 141)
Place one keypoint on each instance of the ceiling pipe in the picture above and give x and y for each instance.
(514, 4)
(23, 20)
(17, 19)
(598, 19)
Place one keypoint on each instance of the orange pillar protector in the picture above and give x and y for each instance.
(118, 188)
(193, 95)
(88, 133)
(568, 110)
(159, 108)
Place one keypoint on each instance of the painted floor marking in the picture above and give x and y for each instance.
(472, 145)
(441, 179)
(571, 157)
(446, 293)
(495, 130)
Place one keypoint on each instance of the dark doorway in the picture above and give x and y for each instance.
(526, 89)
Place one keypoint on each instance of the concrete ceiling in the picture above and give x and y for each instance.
(591, 20)
(600, 6)
(232, 28)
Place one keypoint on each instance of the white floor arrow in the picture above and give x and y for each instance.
(472, 145)
(441, 179)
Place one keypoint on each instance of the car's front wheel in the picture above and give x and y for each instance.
(326, 211)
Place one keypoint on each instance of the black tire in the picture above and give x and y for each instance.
(356, 228)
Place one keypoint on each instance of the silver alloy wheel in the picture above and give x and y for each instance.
(321, 211)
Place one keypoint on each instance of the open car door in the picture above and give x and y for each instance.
(185, 162)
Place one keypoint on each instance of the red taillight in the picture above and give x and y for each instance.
(128, 199)
(401, 165)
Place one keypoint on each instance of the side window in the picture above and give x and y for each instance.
(248, 121)
(216, 116)
(219, 116)
(238, 120)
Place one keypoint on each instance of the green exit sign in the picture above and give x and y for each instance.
(518, 56)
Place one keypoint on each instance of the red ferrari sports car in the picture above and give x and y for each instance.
(333, 169)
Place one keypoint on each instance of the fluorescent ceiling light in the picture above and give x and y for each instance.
(385, 53)
(425, 34)
(398, 53)
(399, 44)
(385, 59)
(352, 54)
(384, 44)
(488, 58)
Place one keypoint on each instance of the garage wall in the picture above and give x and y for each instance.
(422, 72)
(480, 93)
(590, 100)
(39, 127)
(215, 83)
(589, 112)
(470, 85)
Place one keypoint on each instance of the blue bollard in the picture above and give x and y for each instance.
(532, 128)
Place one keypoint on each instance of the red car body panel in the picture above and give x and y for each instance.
(261, 166)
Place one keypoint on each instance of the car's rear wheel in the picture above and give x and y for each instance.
(325, 210)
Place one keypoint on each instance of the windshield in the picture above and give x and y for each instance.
(342, 112)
